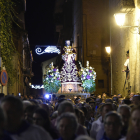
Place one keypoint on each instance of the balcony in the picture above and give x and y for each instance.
(126, 6)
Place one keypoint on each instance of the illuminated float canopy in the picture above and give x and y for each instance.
(48, 49)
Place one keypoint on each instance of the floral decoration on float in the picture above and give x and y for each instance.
(88, 76)
(52, 82)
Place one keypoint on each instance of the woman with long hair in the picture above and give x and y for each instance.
(41, 118)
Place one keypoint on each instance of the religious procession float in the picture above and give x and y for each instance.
(70, 81)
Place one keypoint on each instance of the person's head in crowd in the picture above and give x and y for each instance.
(61, 97)
(28, 113)
(119, 96)
(92, 95)
(31, 97)
(26, 103)
(136, 100)
(13, 108)
(88, 100)
(34, 102)
(67, 125)
(80, 104)
(99, 96)
(127, 97)
(77, 100)
(126, 101)
(25, 97)
(61, 100)
(116, 99)
(21, 97)
(98, 101)
(41, 118)
(124, 110)
(134, 124)
(104, 96)
(108, 100)
(105, 108)
(83, 137)
(131, 94)
(70, 100)
(92, 103)
(39, 101)
(112, 125)
(65, 106)
(93, 98)
(45, 107)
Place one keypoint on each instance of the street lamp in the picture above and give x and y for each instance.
(108, 50)
(120, 20)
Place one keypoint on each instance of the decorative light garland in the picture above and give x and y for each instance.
(37, 86)
(48, 49)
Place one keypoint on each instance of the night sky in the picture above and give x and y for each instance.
(39, 21)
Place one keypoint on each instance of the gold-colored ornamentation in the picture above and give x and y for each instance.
(68, 49)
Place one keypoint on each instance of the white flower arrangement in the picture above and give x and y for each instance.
(88, 76)
(52, 82)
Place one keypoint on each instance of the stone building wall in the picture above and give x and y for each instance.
(122, 40)
(91, 24)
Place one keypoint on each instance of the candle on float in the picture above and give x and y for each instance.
(87, 63)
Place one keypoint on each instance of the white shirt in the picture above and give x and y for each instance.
(96, 126)
(127, 63)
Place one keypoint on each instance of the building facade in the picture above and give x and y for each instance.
(122, 40)
(91, 36)
(22, 59)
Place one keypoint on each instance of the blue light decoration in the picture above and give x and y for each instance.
(48, 49)
(47, 96)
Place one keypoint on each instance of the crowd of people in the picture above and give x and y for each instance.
(95, 118)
